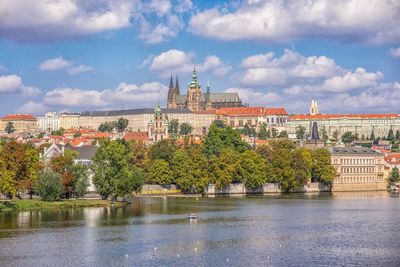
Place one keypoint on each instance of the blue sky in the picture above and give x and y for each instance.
(116, 54)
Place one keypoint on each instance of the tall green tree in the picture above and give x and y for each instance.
(160, 173)
(324, 135)
(397, 135)
(49, 185)
(9, 127)
(224, 168)
(284, 174)
(322, 169)
(7, 177)
(302, 166)
(219, 124)
(218, 139)
(173, 126)
(335, 135)
(283, 134)
(347, 137)
(251, 169)
(391, 136)
(263, 133)
(394, 176)
(80, 182)
(185, 128)
(121, 124)
(113, 175)
(182, 170)
(201, 174)
(274, 132)
(163, 149)
(300, 132)
(372, 136)
(106, 127)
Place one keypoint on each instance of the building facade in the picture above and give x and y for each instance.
(69, 120)
(196, 100)
(361, 124)
(157, 127)
(21, 122)
(50, 122)
(357, 168)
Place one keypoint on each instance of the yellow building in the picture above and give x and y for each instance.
(21, 122)
(357, 169)
(69, 121)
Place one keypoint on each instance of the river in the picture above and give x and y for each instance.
(354, 229)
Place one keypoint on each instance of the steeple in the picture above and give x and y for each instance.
(208, 97)
(194, 82)
(177, 90)
(208, 86)
(314, 107)
(171, 83)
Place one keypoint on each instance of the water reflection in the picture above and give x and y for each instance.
(299, 230)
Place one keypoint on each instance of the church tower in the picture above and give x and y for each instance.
(314, 107)
(171, 103)
(177, 90)
(194, 93)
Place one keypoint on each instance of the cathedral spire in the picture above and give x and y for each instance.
(177, 90)
(171, 83)
(208, 86)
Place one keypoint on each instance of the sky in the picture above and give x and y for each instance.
(77, 55)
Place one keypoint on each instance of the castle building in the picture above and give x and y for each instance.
(196, 100)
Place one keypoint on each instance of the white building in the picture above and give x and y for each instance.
(50, 122)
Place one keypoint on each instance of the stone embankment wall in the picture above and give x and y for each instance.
(154, 189)
(343, 187)
(269, 188)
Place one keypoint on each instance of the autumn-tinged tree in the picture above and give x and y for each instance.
(7, 178)
(224, 168)
(182, 170)
(201, 174)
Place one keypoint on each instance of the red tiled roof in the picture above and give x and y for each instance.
(136, 136)
(393, 158)
(11, 117)
(343, 116)
(211, 111)
(251, 111)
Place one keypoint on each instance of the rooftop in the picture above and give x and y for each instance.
(250, 111)
(353, 151)
(18, 117)
(343, 116)
(132, 112)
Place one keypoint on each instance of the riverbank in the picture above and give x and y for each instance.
(37, 204)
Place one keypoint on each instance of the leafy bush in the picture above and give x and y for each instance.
(49, 185)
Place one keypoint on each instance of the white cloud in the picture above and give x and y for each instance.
(374, 22)
(13, 84)
(59, 63)
(53, 20)
(395, 52)
(32, 107)
(55, 64)
(10, 83)
(177, 61)
(127, 95)
(159, 20)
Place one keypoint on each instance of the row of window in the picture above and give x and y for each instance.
(357, 170)
(358, 179)
(357, 161)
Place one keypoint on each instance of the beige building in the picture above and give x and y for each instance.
(69, 120)
(357, 169)
(21, 122)
(361, 124)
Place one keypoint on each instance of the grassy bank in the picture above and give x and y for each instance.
(36, 204)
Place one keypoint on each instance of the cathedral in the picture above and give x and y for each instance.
(196, 100)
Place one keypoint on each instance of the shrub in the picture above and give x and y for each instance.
(49, 185)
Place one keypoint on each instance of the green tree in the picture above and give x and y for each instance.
(363, 137)
(7, 181)
(77, 134)
(300, 132)
(283, 134)
(263, 134)
(274, 132)
(335, 135)
(283, 172)
(224, 168)
(173, 126)
(218, 139)
(302, 165)
(113, 175)
(49, 185)
(324, 135)
(139, 154)
(185, 128)
(347, 137)
(397, 135)
(201, 174)
(394, 176)
(9, 127)
(80, 183)
(391, 136)
(106, 127)
(59, 132)
(372, 136)
(285, 144)
(163, 149)
(219, 124)
(251, 169)
(182, 170)
(322, 169)
(161, 173)
(121, 124)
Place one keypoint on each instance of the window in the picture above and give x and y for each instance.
(249, 122)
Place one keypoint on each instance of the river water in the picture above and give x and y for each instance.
(356, 229)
